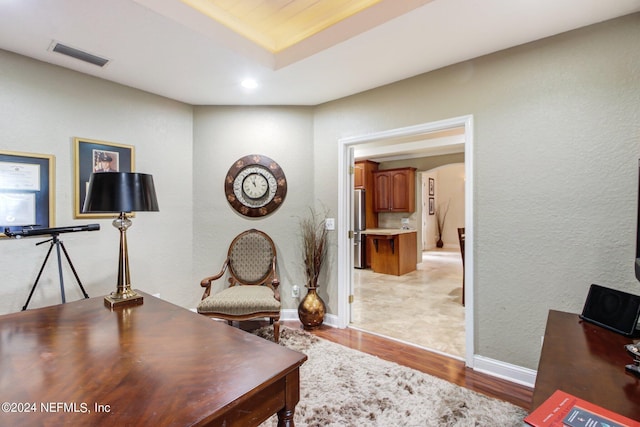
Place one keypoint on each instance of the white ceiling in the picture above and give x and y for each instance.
(436, 143)
(166, 48)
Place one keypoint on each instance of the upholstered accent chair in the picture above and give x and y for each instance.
(253, 283)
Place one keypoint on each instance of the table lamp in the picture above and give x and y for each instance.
(122, 193)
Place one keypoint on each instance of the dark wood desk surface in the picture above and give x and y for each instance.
(156, 364)
(587, 361)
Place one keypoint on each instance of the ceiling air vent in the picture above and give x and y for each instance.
(79, 54)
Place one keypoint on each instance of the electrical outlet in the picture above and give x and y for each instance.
(330, 223)
(295, 291)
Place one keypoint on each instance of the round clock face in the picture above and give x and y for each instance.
(255, 186)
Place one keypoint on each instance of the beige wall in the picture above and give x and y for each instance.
(43, 108)
(222, 135)
(449, 198)
(555, 184)
(555, 155)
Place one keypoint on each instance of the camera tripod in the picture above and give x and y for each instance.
(55, 241)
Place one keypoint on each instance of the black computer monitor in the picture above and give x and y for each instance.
(638, 229)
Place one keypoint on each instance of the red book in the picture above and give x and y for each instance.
(565, 410)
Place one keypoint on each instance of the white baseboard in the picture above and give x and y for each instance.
(289, 314)
(292, 314)
(513, 373)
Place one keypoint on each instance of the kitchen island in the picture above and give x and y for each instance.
(394, 250)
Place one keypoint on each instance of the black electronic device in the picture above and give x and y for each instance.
(637, 263)
(31, 231)
(612, 309)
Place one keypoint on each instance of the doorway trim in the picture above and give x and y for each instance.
(345, 218)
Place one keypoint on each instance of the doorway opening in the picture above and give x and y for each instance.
(423, 307)
(436, 138)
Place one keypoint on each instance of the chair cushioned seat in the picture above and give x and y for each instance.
(240, 301)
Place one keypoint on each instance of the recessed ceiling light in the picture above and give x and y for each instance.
(249, 84)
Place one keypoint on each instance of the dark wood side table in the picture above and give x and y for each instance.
(155, 364)
(587, 361)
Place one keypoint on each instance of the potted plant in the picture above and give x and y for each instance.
(441, 216)
(313, 235)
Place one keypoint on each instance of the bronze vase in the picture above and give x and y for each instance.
(311, 309)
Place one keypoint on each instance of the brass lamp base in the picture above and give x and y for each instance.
(120, 299)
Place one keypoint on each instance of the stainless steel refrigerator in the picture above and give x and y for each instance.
(359, 224)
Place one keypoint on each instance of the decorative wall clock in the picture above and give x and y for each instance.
(255, 185)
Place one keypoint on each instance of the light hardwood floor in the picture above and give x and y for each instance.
(423, 308)
(431, 363)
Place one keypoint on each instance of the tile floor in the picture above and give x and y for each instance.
(423, 307)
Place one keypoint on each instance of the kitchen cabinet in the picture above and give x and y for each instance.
(367, 258)
(359, 175)
(363, 179)
(393, 251)
(394, 190)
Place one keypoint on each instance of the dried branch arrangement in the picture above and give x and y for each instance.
(314, 246)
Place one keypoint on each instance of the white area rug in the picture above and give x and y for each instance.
(343, 387)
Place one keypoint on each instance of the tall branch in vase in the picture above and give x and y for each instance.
(314, 247)
(313, 231)
(441, 216)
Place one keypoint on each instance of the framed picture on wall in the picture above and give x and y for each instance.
(432, 185)
(97, 156)
(432, 209)
(27, 188)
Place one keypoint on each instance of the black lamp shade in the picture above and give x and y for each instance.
(120, 192)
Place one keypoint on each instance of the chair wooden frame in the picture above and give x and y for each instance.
(269, 279)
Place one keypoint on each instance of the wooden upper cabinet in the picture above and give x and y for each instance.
(358, 175)
(363, 178)
(382, 188)
(394, 190)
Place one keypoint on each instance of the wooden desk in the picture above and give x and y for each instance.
(156, 364)
(587, 361)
